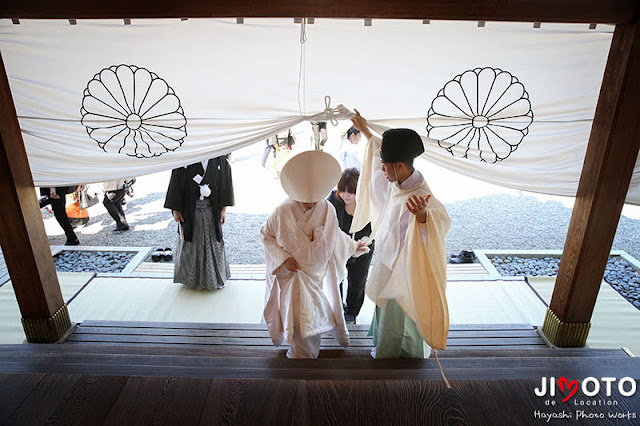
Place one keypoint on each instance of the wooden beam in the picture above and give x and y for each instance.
(578, 11)
(22, 235)
(608, 166)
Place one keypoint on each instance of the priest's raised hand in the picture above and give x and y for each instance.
(418, 206)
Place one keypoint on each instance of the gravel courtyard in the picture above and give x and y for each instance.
(483, 216)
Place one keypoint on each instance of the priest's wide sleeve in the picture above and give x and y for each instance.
(426, 267)
(372, 188)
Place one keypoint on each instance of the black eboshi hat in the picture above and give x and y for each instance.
(400, 145)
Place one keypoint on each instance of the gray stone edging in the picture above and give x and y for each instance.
(484, 254)
(141, 254)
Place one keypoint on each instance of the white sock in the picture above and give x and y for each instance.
(427, 350)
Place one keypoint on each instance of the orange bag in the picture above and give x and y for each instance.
(77, 215)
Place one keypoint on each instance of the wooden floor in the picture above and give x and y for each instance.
(118, 400)
(131, 373)
(96, 384)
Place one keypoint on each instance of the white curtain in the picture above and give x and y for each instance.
(506, 103)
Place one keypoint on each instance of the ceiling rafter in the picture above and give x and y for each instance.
(570, 11)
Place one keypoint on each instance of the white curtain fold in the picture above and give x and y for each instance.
(507, 103)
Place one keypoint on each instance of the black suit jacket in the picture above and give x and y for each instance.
(183, 192)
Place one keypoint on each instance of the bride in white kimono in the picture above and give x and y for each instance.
(306, 254)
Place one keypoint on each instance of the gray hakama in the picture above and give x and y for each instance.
(200, 258)
(202, 263)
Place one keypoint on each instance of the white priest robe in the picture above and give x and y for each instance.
(410, 265)
(301, 305)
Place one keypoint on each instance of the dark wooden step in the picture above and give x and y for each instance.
(55, 359)
(250, 336)
(226, 351)
(264, 333)
(327, 342)
(12, 353)
(255, 326)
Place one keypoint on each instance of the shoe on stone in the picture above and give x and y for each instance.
(157, 255)
(464, 256)
(349, 319)
(167, 254)
(122, 228)
(75, 242)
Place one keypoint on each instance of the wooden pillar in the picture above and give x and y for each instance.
(608, 166)
(45, 317)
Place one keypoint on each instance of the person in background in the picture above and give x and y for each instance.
(198, 196)
(270, 148)
(344, 201)
(114, 192)
(319, 129)
(306, 254)
(350, 152)
(57, 198)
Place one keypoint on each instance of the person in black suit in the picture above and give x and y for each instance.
(56, 197)
(198, 196)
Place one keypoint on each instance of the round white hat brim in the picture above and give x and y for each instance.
(310, 176)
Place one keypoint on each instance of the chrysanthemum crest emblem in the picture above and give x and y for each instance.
(483, 113)
(129, 110)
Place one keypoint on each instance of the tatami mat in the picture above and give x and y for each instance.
(494, 302)
(11, 330)
(159, 299)
(615, 322)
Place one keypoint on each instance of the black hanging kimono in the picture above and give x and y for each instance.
(201, 260)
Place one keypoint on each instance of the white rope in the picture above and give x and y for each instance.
(302, 67)
(329, 112)
(303, 31)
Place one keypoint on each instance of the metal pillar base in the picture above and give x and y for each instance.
(565, 335)
(47, 330)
